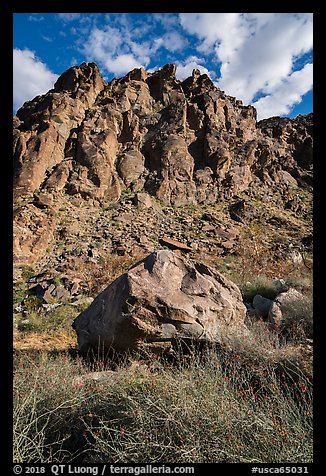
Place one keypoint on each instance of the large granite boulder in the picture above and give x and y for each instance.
(163, 297)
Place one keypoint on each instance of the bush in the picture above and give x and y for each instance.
(298, 319)
(32, 303)
(99, 275)
(261, 285)
(37, 319)
(28, 272)
(19, 292)
(211, 407)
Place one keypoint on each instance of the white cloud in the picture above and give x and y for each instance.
(101, 43)
(108, 47)
(67, 17)
(285, 95)
(256, 52)
(173, 41)
(185, 68)
(31, 77)
(226, 31)
(115, 50)
(141, 51)
(168, 20)
(35, 18)
(47, 38)
(122, 64)
(73, 61)
(121, 45)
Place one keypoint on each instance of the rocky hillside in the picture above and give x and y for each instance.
(109, 169)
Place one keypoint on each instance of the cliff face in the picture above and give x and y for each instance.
(181, 142)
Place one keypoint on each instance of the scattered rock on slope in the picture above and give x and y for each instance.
(182, 142)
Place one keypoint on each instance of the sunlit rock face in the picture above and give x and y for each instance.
(182, 142)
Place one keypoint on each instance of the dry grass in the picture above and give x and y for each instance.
(60, 341)
(210, 406)
(98, 275)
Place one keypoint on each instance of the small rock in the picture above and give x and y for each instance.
(251, 312)
(70, 230)
(93, 253)
(143, 200)
(124, 218)
(120, 250)
(76, 201)
(174, 245)
(208, 227)
(282, 304)
(75, 287)
(60, 292)
(50, 307)
(82, 300)
(55, 292)
(228, 245)
(280, 285)
(47, 296)
(242, 211)
(296, 257)
(43, 200)
(208, 217)
(262, 305)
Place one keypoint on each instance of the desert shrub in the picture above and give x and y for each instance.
(19, 292)
(302, 281)
(99, 275)
(27, 272)
(298, 319)
(37, 319)
(211, 407)
(61, 316)
(43, 401)
(126, 194)
(260, 285)
(32, 303)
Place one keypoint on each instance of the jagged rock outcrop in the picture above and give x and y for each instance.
(47, 122)
(183, 142)
(163, 297)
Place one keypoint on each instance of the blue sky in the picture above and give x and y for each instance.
(264, 59)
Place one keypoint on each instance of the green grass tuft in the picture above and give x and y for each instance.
(260, 285)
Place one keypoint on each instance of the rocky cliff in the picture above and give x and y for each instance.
(181, 142)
